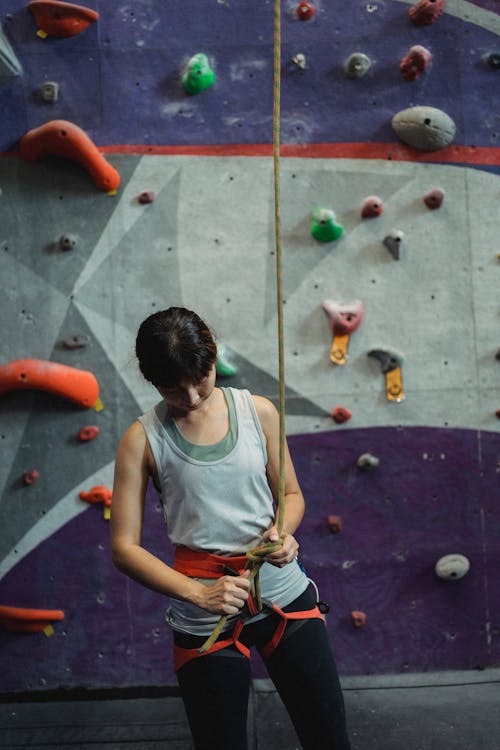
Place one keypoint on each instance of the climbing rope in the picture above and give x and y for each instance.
(255, 556)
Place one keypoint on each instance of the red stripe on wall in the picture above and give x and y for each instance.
(389, 151)
(481, 155)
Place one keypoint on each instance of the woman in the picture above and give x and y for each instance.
(213, 454)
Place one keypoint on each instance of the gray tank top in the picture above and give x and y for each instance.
(221, 505)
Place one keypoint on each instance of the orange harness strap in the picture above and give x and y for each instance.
(200, 564)
(307, 614)
(183, 655)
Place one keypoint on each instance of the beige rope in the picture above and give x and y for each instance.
(256, 554)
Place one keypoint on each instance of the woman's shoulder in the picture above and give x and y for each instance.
(265, 408)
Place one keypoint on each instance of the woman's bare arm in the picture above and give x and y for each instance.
(132, 469)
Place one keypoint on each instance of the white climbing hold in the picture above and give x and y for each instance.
(452, 567)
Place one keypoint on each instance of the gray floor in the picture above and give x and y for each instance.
(445, 711)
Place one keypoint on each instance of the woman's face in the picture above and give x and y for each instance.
(187, 396)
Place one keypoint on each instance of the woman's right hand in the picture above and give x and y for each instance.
(227, 595)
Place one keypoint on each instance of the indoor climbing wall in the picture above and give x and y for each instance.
(136, 173)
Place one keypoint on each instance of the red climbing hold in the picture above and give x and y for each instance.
(334, 524)
(415, 62)
(372, 206)
(64, 138)
(434, 199)
(30, 477)
(426, 12)
(61, 19)
(87, 433)
(358, 619)
(305, 11)
(340, 414)
(146, 197)
(98, 494)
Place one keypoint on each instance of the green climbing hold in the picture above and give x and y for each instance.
(198, 75)
(222, 366)
(323, 225)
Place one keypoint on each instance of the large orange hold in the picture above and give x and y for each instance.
(76, 385)
(61, 19)
(64, 138)
(24, 620)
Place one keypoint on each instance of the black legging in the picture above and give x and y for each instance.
(215, 688)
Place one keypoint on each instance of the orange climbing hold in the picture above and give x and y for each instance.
(61, 19)
(64, 138)
(98, 494)
(79, 386)
(25, 620)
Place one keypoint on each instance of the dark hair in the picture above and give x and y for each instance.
(174, 344)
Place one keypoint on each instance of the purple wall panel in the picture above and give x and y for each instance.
(433, 493)
(120, 79)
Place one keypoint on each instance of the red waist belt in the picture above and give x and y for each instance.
(199, 564)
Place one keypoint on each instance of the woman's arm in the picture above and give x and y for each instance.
(132, 469)
(293, 500)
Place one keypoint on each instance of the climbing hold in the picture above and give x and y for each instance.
(305, 11)
(49, 91)
(88, 433)
(372, 206)
(146, 197)
(358, 619)
(426, 12)
(60, 19)
(452, 567)
(198, 74)
(357, 65)
(390, 364)
(366, 461)
(67, 242)
(79, 386)
(99, 494)
(324, 228)
(425, 128)
(31, 476)
(222, 366)
(334, 523)
(393, 241)
(10, 67)
(497, 413)
(340, 414)
(345, 319)
(79, 341)
(497, 355)
(416, 60)
(434, 199)
(494, 60)
(23, 620)
(64, 138)
(300, 60)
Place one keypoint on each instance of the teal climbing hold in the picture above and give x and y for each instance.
(198, 74)
(9, 64)
(222, 366)
(324, 227)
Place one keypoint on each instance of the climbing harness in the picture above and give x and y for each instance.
(202, 564)
(255, 556)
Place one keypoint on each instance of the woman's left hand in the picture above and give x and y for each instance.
(286, 553)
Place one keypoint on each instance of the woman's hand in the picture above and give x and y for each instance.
(287, 552)
(226, 596)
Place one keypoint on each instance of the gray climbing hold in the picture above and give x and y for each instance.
(300, 60)
(425, 128)
(393, 241)
(9, 64)
(79, 341)
(452, 567)
(357, 65)
(367, 461)
(49, 91)
(388, 360)
(67, 242)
